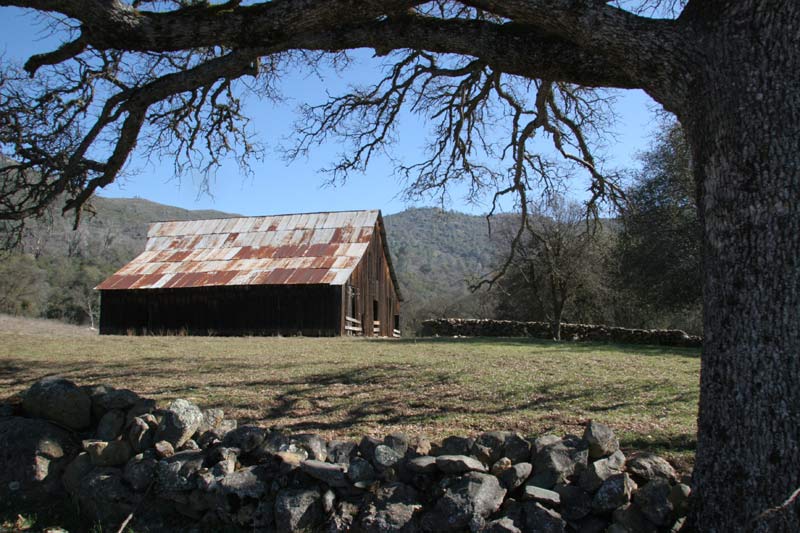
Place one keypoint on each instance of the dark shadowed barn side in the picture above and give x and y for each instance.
(314, 274)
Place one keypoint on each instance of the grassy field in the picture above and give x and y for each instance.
(347, 387)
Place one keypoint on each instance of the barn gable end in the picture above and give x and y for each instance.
(282, 274)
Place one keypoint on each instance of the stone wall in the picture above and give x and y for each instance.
(473, 327)
(182, 468)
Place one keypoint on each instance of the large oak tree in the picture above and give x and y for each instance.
(161, 76)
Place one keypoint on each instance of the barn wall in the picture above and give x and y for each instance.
(311, 310)
(371, 281)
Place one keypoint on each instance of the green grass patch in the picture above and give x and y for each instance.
(348, 387)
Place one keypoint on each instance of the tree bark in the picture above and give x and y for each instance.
(743, 124)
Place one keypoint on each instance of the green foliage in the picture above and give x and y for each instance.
(23, 285)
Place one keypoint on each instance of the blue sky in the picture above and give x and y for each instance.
(279, 187)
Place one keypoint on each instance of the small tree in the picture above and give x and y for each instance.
(558, 258)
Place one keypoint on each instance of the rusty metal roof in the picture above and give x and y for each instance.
(312, 248)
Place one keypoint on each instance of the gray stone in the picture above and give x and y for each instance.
(459, 464)
(111, 398)
(679, 498)
(59, 400)
(332, 474)
(189, 445)
(110, 426)
(543, 520)
(360, 471)
(575, 502)
(144, 408)
(164, 449)
(33, 454)
(653, 500)
(422, 465)
(615, 492)
(393, 507)
(212, 419)
(140, 435)
(328, 501)
(6, 410)
(367, 446)
(79, 467)
(631, 520)
(298, 510)
(601, 439)
(140, 472)
(105, 497)
(249, 482)
(490, 446)
(180, 422)
(616, 461)
(516, 475)
(501, 525)
(647, 467)
(467, 501)
(341, 452)
(558, 462)
(313, 444)
(385, 457)
(105, 453)
(593, 477)
(421, 446)
(517, 448)
(177, 473)
(590, 524)
(546, 497)
(454, 446)
(398, 442)
(541, 443)
(500, 466)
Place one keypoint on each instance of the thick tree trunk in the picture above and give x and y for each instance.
(744, 127)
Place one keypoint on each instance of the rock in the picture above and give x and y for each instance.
(250, 482)
(222, 461)
(501, 525)
(176, 473)
(140, 435)
(361, 472)
(546, 497)
(341, 452)
(7, 409)
(422, 465)
(516, 476)
(398, 442)
(105, 497)
(332, 474)
(367, 446)
(421, 446)
(593, 477)
(212, 418)
(575, 502)
(679, 498)
(541, 443)
(144, 408)
(294, 450)
(33, 455)
(543, 520)
(140, 472)
(298, 510)
(602, 441)
(385, 457)
(489, 447)
(392, 508)
(631, 520)
(517, 448)
(614, 492)
(653, 500)
(502, 464)
(458, 464)
(189, 446)
(164, 449)
(647, 467)
(79, 467)
(180, 422)
(59, 400)
(105, 453)
(110, 426)
(590, 524)
(313, 444)
(108, 398)
(557, 462)
(467, 501)
(454, 446)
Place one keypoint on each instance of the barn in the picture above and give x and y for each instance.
(313, 274)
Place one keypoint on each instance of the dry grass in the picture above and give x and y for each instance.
(346, 387)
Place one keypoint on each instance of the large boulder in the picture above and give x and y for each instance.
(298, 511)
(59, 400)
(33, 456)
(557, 462)
(105, 497)
(392, 508)
(467, 502)
(180, 422)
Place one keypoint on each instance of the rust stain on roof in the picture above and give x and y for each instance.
(313, 248)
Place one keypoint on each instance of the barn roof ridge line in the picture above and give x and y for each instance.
(263, 216)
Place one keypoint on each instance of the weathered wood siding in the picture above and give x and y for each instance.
(373, 287)
(311, 310)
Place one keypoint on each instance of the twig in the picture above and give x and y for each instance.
(766, 515)
(133, 512)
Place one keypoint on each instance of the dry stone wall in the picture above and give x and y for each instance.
(182, 468)
(473, 327)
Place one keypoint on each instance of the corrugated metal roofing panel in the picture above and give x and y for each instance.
(312, 248)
